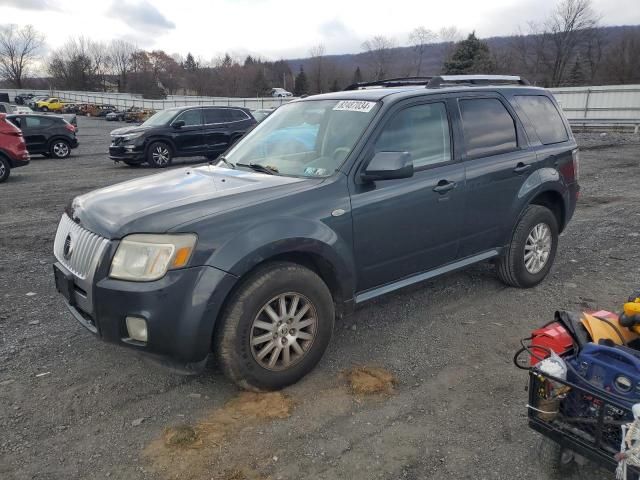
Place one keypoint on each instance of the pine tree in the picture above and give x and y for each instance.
(190, 63)
(357, 76)
(301, 86)
(469, 56)
(260, 84)
(576, 75)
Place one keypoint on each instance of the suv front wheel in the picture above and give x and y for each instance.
(276, 327)
(529, 257)
(159, 155)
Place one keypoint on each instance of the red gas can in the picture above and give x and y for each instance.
(552, 337)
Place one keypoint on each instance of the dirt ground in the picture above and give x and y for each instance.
(450, 403)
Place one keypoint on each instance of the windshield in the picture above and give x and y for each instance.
(310, 138)
(161, 118)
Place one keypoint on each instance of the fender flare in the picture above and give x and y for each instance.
(265, 240)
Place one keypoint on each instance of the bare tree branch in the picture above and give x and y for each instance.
(19, 48)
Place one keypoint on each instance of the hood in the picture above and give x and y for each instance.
(132, 129)
(161, 202)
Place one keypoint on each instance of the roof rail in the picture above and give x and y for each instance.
(391, 82)
(475, 80)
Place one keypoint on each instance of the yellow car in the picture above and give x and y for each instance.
(50, 104)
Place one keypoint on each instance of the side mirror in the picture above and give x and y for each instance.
(178, 124)
(388, 166)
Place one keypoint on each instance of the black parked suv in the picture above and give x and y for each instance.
(47, 135)
(180, 132)
(331, 201)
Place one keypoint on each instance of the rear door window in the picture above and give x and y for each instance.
(214, 115)
(489, 128)
(544, 117)
(38, 122)
(421, 130)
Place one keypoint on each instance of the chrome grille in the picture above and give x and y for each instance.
(78, 249)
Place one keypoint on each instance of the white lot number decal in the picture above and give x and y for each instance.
(354, 106)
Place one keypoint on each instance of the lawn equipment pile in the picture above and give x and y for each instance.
(584, 380)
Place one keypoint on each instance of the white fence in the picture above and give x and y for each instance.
(606, 102)
(612, 102)
(125, 100)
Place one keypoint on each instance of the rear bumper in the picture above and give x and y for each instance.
(74, 143)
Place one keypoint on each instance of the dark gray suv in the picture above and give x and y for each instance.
(331, 201)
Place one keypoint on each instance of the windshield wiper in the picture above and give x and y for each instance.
(226, 162)
(259, 168)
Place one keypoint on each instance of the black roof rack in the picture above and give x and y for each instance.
(475, 80)
(391, 82)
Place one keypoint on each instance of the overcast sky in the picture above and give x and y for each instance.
(277, 29)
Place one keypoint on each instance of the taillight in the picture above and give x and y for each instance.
(70, 127)
(575, 156)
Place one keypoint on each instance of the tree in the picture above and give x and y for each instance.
(300, 85)
(576, 75)
(470, 56)
(19, 49)
(190, 64)
(357, 76)
(567, 30)
(378, 52)
(72, 66)
(335, 87)
(120, 53)
(317, 67)
(260, 84)
(419, 38)
(623, 59)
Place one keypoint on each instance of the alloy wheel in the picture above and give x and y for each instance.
(3, 170)
(537, 248)
(60, 149)
(283, 331)
(161, 156)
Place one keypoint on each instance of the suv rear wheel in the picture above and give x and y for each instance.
(60, 149)
(276, 327)
(159, 155)
(528, 258)
(5, 169)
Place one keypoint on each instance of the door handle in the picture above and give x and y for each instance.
(521, 168)
(444, 186)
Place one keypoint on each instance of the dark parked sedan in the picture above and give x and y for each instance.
(48, 135)
(180, 132)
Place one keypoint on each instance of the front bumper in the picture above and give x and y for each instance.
(130, 153)
(180, 310)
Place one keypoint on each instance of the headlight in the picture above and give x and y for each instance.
(147, 257)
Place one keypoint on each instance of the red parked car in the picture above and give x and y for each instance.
(13, 149)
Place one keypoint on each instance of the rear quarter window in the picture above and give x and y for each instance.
(488, 127)
(237, 115)
(544, 117)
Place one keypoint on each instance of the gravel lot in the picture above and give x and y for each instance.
(72, 407)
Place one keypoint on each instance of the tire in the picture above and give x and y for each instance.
(5, 169)
(45, 109)
(556, 459)
(246, 314)
(59, 149)
(536, 222)
(159, 155)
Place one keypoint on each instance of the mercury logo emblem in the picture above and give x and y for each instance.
(67, 250)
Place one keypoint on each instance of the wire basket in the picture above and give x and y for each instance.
(579, 417)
